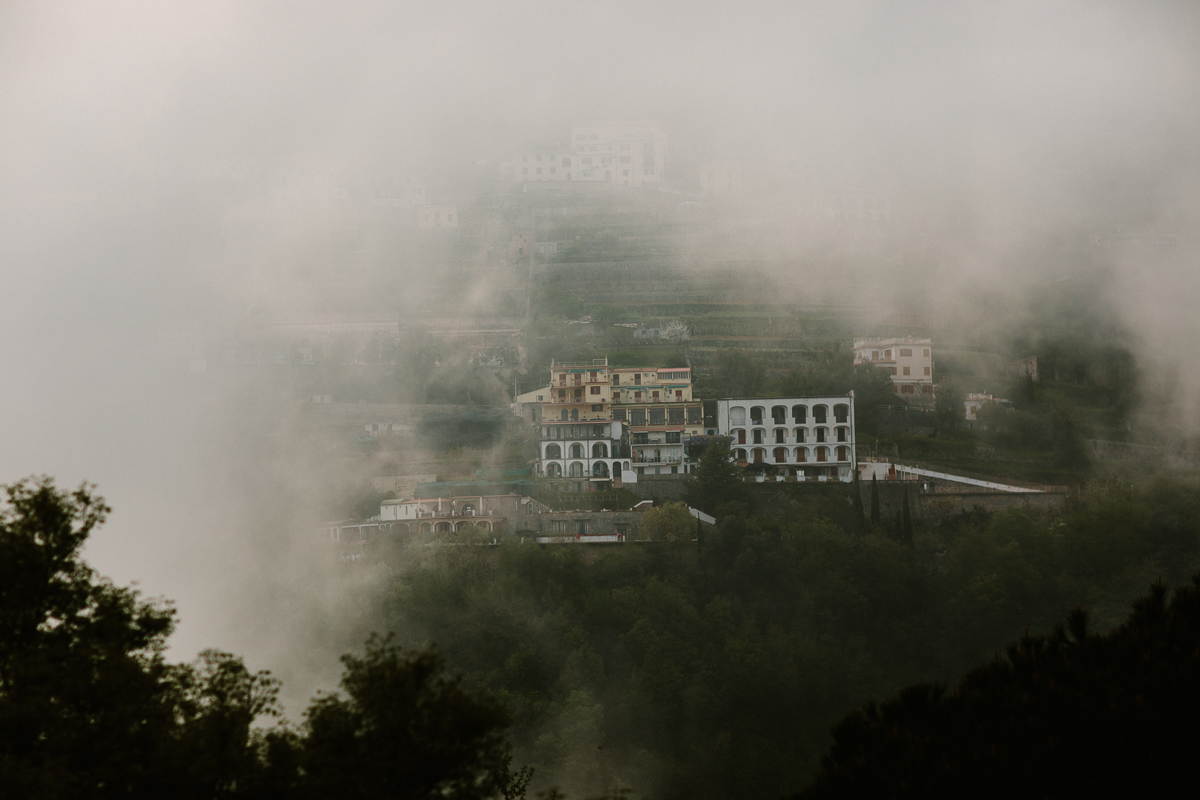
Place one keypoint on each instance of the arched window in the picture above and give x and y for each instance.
(616, 469)
(778, 414)
(402, 527)
(841, 413)
(799, 434)
(780, 455)
(741, 436)
(564, 415)
(758, 436)
(843, 434)
(780, 435)
(577, 450)
(553, 451)
(599, 450)
(737, 415)
(443, 527)
(600, 470)
(802, 454)
(576, 469)
(822, 453)
(554, 470)
(819, 414)
(574, 415)
(800, 414)
(468, 510)
(426, 527)
(759, 455)
(740, 455)
(820, 434)
(843, 454)
(756, 415)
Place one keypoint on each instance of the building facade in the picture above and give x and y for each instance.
(599, 424)
(625, 154)
(810, 437)
(496, 514)
(909, 363)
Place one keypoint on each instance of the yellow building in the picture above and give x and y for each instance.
(655, 407)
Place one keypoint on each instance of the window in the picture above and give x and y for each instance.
(637, 416)
(841, 434)
(799, 434)
(927, 352)
(927, 389)
(907, 371)
(597, 408)
(616, 379)
(560, 526)
(780, 434)
(800, 414)
(693, 416)
(674, 416)
(905, 352)
(892, 370)
(637, 379)
(596, 389)
(841, 413)
(673, 438)
(820, 434)
(553, 451)
(658, 416)
(619, 413)
(906, 389)
(737, 416)
(654, 394)
(887, 355)
(758, 436)
(679, 394)
(927, 371)
(641, 438)
(622, 529)
(819, 413)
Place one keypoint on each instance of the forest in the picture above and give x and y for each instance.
(717, 668)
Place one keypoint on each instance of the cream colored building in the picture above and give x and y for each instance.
(909, 363)
(652, 411)
(624, 154)
(437, 216)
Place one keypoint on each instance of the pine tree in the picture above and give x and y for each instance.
(874, 501)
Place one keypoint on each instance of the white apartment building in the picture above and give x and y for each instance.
(582, 453)
(629, 154)
(909, 363)
(812, 436)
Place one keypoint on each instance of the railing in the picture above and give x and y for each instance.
(595, 362)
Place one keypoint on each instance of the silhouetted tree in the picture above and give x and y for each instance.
(874, 501)
(718, 480)
(405, 729)
(1071, 714)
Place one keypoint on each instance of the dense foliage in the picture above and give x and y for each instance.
(717, 669)
(1065, 715)
(89, 707)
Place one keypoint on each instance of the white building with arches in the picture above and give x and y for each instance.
(810, 437)
(584, 454)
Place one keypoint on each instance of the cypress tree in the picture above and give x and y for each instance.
(874, 500)
(860, 517)
(906, 526)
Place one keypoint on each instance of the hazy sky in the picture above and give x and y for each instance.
(1025, 116)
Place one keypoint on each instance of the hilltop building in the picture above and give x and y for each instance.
(909, 363)
(638, 422)
(625, 154)
(810, 436)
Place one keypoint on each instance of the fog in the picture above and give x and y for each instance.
(1008, 132)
